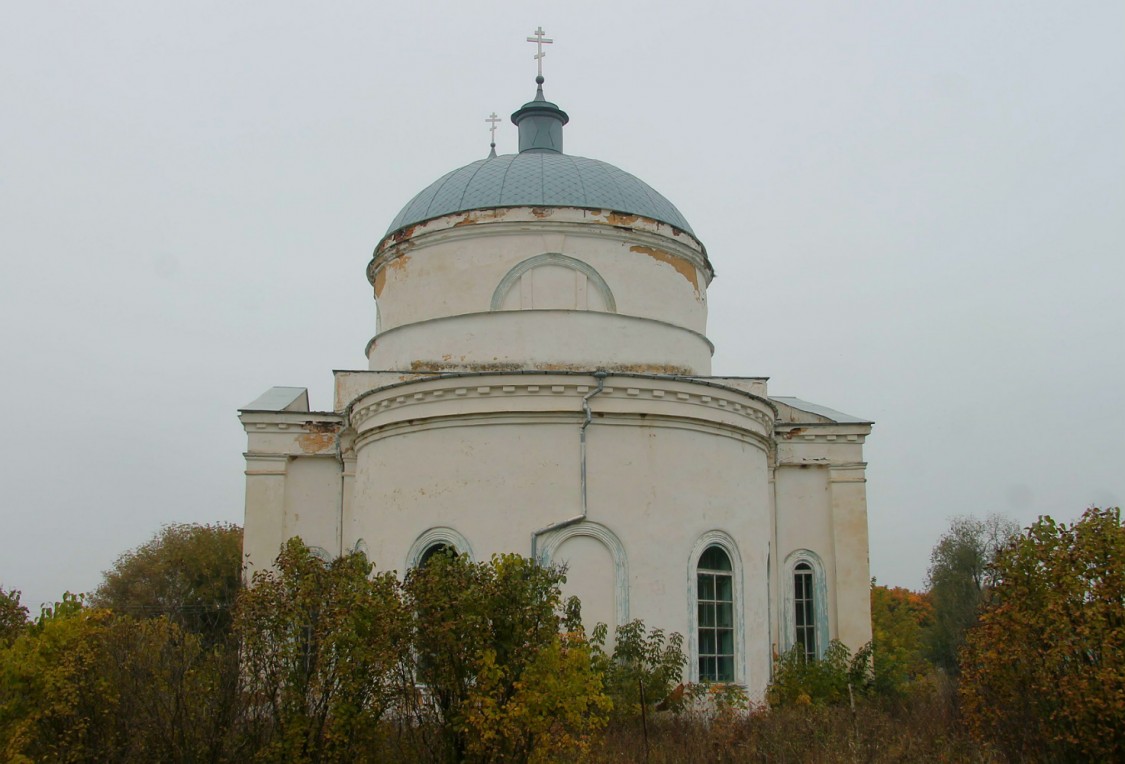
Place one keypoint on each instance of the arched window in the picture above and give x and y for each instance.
(435, 549)
(437, 540)
(804, 611)
(805, 617)
(715, 615)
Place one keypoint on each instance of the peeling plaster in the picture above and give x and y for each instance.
(316, 442)
(684, 268)
(398, 264)
(621, 219)
(481, 216)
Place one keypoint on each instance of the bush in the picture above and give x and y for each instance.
(643, 670)
(837, 677)
(1043, 673)
(85, 685)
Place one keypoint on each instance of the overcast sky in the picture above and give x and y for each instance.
(916, 213)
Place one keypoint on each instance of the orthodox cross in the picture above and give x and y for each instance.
(540, 41)
(494, 120)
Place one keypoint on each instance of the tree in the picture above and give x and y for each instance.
(322, 646)
(13, 616)
(53, 706)
(327, 662)
(899, 619)
(500, 681)
(546, 715)
(1043, 673)
(959, 573)
(644, 669)
(187, 573)
(83, 684)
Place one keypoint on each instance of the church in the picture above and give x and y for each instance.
(539, 381)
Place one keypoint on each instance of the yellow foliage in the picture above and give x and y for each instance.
(557, 706)
(1043, 672)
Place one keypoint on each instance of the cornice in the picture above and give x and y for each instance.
(590, 228)
(522, 376)
(812, 437)
(522, 396)
(821, 432)
(709, 427)
(542, 218)
(284, 421)
(518, 315)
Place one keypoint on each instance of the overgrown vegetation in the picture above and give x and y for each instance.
(13, 616)
(483, 662)
(188, 574)
(1043, 674)
(836, 678)
(960, 572)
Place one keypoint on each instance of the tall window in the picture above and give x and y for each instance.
(804, 611)
(715, 582)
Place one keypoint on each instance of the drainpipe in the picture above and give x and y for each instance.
(599, 375)
(343, 469)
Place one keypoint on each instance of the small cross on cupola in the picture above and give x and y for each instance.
(493, 119)
(539, 41)
(540, 121)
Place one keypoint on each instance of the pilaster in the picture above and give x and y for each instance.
(263, 530)
(848, 488)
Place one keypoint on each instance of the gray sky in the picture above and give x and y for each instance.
(916, 212)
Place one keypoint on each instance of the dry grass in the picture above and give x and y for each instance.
(922, 728)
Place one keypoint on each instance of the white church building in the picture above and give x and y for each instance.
(539, 382)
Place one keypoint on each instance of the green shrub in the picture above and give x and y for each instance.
(837, 677)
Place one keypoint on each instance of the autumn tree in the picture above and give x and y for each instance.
(500, 679)
(326, 661)
(189, 574)
(13, 616)
(836, 677)
(958, 574)
(52, 705)
(642, 670)
(322, 645)
(1043, 673)
(899, 621)
(84, 684)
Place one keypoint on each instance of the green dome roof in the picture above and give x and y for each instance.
(538, 178)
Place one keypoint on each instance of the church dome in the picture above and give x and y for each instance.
(540, 175)
(539, 179)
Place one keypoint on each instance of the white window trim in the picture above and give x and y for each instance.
(552, 540)
(321, 554)
(820, 600)
(594, 279)
(725, 542)
(440, 535)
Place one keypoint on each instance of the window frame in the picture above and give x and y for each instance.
(724, 542)
(551, 540)
(434, 537)
(717, 581)
(820, 603)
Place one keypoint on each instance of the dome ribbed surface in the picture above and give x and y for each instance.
(538, 179)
